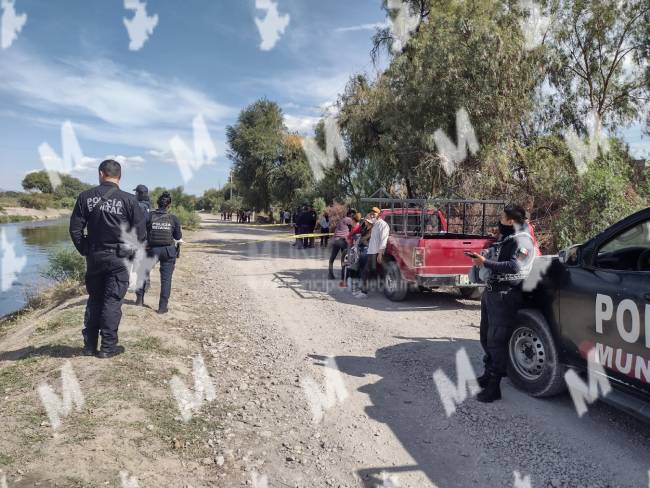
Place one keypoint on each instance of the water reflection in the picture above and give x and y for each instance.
(35, 240)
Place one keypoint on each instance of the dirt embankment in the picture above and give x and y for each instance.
(35, 214)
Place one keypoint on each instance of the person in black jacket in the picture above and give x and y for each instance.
(163, 229)
(105, 213)
(502, 298)
(142, 195)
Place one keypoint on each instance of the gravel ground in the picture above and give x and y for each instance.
(265, 319)
(392, 427)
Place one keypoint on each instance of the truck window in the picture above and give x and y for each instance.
(628, 251)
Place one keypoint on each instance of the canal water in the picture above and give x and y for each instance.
(33, 241)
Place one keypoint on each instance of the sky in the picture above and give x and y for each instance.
(126, 89)
(128, 96)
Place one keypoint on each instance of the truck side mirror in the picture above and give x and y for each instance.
(571, 256)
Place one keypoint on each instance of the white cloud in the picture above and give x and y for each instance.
(272, 26)
(302, 124)
(114, 94)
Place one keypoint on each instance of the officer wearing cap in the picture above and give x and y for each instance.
(104, 213)
(512, 253)
(142, 195)
(163, 229)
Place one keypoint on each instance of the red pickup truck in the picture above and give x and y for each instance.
(428, 240)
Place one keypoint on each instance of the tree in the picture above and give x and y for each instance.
(37, 180)
(598, 58)
(256, 142)
(291, 173)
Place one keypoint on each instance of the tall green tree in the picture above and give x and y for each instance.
(256, 142)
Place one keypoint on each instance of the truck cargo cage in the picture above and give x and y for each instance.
(420, 217)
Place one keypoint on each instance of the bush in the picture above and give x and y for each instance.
(189, 219)
(66, 264)
(39, 201)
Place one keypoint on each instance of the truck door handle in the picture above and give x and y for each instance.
(467, 243)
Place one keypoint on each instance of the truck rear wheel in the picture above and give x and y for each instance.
(395, 288)
(533, 361)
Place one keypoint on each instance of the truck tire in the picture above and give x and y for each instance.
(395, 288)
(533, 361)
(471, 292)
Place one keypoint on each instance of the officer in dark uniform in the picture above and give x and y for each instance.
(103, 212)
(142, 195)
(502, 298)
(162, 229)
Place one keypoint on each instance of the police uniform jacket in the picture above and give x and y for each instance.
(104, 227)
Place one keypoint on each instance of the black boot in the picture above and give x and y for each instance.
(139, 299)
(483, 379)
(492, 391)
(162, 307)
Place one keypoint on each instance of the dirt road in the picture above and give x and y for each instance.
(265, 318)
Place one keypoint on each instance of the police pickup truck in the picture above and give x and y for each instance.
(590, 301)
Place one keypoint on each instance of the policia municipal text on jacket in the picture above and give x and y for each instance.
(105, 212)
(162, 229)
(507, 266)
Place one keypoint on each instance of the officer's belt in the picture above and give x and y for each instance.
(499, 286)
(103, 247)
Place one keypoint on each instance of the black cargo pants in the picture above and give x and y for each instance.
(499, 308)
(166, 256)
(107, 281)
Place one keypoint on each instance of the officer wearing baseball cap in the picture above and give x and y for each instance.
(142, 195)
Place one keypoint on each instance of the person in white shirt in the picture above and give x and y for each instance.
(376, 248)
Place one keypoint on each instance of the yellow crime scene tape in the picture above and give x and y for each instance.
(274, 238)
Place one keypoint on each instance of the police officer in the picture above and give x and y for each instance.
(142, 195)
(506, 270)
(104, 212)
(162, 229)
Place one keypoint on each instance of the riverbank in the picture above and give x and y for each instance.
(21, 214)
